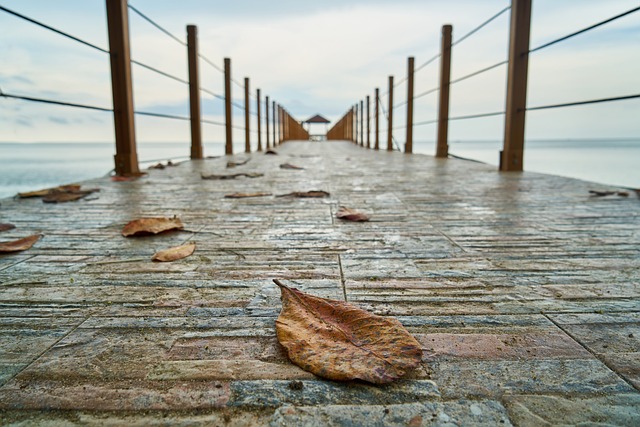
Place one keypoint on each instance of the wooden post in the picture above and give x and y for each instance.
(368, 123)
(511, 158)
(194, 92)
(266, 118)
(408, 144)
(228, 148)
(356, 120)
(126, 157)
(390, 118)
(442, 146)
(273, 113)
(377, 138)
(361, 123)
(259, 120)
(247, 110)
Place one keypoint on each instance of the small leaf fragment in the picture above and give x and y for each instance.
(336, 340)
(44, 192)
(19, 245)
(5, 227)
(245, 195)
(233, 176)
(290, 166)
(351, 215)
(238, 163)
(175, 253)
(67, 196)
(145, 226)
(272, 152)
(306, 194)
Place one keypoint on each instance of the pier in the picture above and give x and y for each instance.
(522, 289)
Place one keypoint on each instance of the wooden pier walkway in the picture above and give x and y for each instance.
(521, 287)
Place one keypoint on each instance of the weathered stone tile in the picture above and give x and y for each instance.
(226, 369)
(536, 410)
(461, 412)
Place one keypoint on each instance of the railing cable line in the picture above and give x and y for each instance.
(162, 73)
(62, 33)
(475, 73)
(155, 24)
(584, 30)
(215, 95)
(54, 102)
(210, 62)
(420, 67)
(479, 27)
(591, 101)
(425, 93)
(393, 138)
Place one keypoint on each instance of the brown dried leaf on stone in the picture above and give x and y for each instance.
(146, 226)
(306, 194)
(44, 192)
(245, 195)
(272, 152)
(5, 227)
(67, 196)
(231, 164)
(233, 176)
(19, 245)
(175, 253)
(290, 166)
(336, 340)
(351, 215)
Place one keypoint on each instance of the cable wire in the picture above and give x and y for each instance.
(475, 73)
(591, 101)
(425, 93)
(393, 138)
(208, 61)
(162, 73)
(584, 30)
(420, 67)
(54, 102)
(479, 27)
(62, 33)
(155, 24)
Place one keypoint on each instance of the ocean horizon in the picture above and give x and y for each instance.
(34, 165)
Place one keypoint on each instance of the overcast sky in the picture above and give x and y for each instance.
(318, 57)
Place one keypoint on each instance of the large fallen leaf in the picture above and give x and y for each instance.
(5, 227)
(144, 226)
(44, 192)
(336, 340)
(245, 195)
(67, 196)
(305, 194)
(175, 253)
(351, 215)
(20, 244)
(233, 176)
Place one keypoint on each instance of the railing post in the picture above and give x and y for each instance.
(355, 119)
(259, 120)
(273, 114)
(408, 144)
(368, 123)
(194, 92)
(126, 157)
(228, 148)
(377, 138)
(266, 118)
(247, 110)
(390, 118)
(515, 113)
(361, 123)
(442, 145)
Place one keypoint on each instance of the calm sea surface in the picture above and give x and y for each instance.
(32, 166)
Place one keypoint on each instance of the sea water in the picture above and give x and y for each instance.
(32, 166)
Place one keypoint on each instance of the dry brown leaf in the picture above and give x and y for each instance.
(175, 253)
(67, 196)
(290, 166)
(351, 215)
(305, 194)
(245, 195)
(145, 226)
(44, 192)
(5, 227)
(272, 152)
(231, 164)
(233, 176)
(20, 244)
(336, 340)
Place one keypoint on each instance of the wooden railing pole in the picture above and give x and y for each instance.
(361, 123)
(356, 120)
(228, 148)
(194, 92)
(273, 128)
(442, 145)
(390, 117)
(247, 122)
(266, 118)
(259, 120)
(377, 138)
(408, 145)
(511, 158)
(368, 122)
(126, 157)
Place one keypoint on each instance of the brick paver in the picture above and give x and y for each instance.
(521, 287)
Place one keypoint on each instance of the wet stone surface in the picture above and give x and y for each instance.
(521, 288)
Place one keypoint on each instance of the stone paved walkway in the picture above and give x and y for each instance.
(522, 289)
